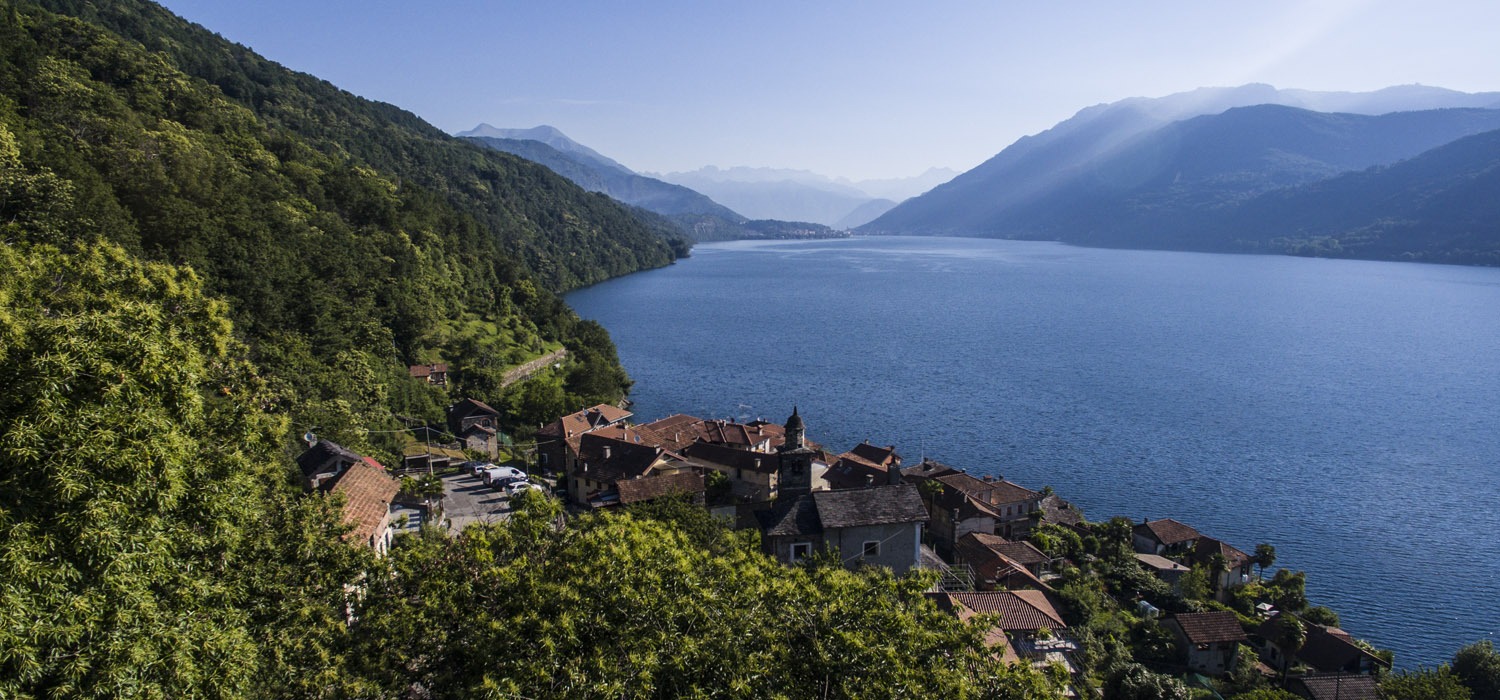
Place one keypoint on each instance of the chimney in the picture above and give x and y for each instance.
(606, 451)
(988, 478)
(869, 480)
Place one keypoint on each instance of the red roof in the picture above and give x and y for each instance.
(1210, 627)
(652, 487)
(1019, 611)
(1167, 531)
(368, 492)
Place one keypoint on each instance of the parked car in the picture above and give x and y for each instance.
(520, 487)
(479, 468)
(505, 482)
(493, 472)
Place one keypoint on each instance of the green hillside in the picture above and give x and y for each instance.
(349, 237)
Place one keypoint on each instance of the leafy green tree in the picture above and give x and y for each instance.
(1266, 694)
(1320, 615)
(152, 540)
(1136, 682)
(1265, 555)
(616, 605)
(1478, 666)
(1428, 684)
(1289, 637)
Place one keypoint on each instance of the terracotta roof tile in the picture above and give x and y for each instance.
(652, 487)
(1210, 627)
(1019, 610)
(1167, 531)
(1336, 686)
(1205, 547)
(368, 492)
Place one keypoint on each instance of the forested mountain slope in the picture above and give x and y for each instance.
(349, 237)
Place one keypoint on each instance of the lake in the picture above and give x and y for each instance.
(1346, 412)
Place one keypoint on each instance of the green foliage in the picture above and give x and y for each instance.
(1320, 615)
(1266, 694)
(348, 237)
(153, 541)
(1057, 541)
(1478, 666)
(1136, 682)
(1289, 590)
(1265, 555)
(616, 605)
(1428, 683)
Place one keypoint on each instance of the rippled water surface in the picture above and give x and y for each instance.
(1346, 412)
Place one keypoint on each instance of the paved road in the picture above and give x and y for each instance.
(469, 500)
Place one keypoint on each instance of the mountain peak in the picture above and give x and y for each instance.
(550, 135)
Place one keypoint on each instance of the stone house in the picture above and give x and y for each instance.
(1000, 564)
(558, 441)
(1210, 640)
(1238, 562)
(879, 526)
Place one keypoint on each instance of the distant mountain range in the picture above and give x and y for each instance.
(778, 193)
(669, 208)
(1196, 170)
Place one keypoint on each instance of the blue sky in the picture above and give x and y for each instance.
(853, 89)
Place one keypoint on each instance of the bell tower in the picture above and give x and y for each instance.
(794, 473)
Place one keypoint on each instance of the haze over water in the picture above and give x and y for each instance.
(1344, 411)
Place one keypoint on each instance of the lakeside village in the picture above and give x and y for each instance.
(1023, 562)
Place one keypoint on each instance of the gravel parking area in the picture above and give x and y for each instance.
(469, 500)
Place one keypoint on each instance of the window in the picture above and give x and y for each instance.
(801, 550)
(872, 549)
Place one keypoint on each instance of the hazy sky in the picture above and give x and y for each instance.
(855, 89)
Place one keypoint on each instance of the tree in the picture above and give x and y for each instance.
(1218, 565)
(1478, 666)
(153, 541)
(1320, 615)
(618, 605)
(1428, 684)
(1266, 694)
(1289, 637)
(1265, 555)
(1136, 682)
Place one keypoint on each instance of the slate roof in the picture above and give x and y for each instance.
(368, 492)
(879, 505)
(1210, 627)
(795, 516)
(1205, 547)
(1058, 511)
(1335, 686)
(323, 456)
(1019, 611)
(653, 487)
(1167, 531)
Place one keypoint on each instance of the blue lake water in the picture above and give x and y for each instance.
(1347, 412)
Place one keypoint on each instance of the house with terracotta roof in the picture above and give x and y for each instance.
(368, 493)
(558, 441)
(649, 488)
(1238, 563)
(605, 462)
(998, 563)
(1210, 640)
(435, 374)
(1165, 536)
(1034, 629)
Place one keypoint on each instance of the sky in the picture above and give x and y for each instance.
(861, 90)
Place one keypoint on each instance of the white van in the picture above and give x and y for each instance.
(494, 474)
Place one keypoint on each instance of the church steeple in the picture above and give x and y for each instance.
(796, 433)
(794, 475)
